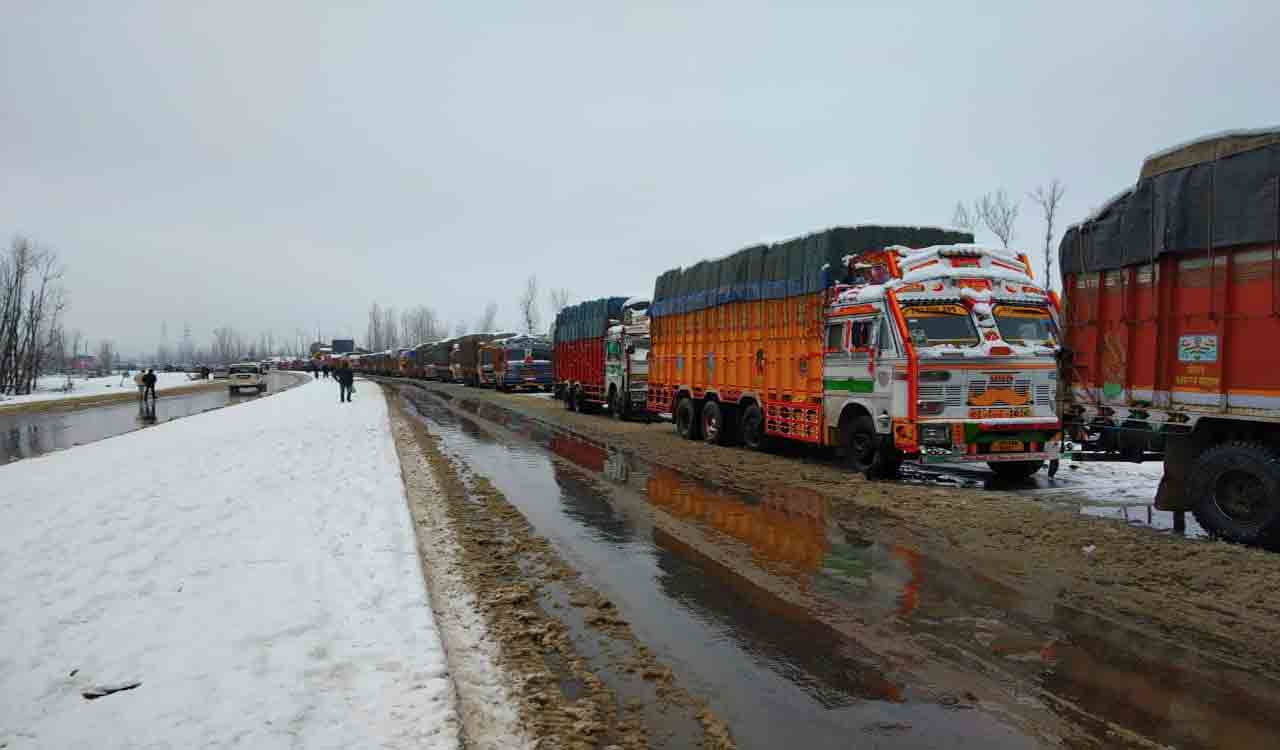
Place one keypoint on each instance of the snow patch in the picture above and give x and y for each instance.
(253, 567)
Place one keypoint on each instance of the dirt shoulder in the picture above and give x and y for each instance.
(1217, 599)
(130, 394)
(576, 675)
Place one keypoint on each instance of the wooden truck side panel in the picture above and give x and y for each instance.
(581, 362)
(1192, 333)
(766, 351)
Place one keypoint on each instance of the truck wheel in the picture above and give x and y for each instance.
(571, 400)
(231, 390)
(1015, 469)
(713, 423)
(858, 439)
(1236, 491)
(887, 461)
(687, 419)
(753, 436)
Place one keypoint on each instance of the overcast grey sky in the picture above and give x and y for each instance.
(275, 165)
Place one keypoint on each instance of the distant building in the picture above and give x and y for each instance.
(343, 346)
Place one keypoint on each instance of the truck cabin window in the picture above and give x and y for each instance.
(940, 325)
(835, 337)
(860, 334)
(1026, 326)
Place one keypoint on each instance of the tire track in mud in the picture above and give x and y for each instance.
(578, 676)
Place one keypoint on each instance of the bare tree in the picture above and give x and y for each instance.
(106, 356)
(390, 331)
(489, 320)
(420, 325)
(460, 328)
(964, 218)
(999, 214)
(557, 300)
(31, 304)
(529, 305)
(373, 333)
(1047, 197)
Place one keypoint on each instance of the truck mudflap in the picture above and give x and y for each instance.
(985, 458)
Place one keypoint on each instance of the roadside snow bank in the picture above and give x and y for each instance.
(254, 568)
(48, 387)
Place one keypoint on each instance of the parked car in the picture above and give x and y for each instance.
(246, 375)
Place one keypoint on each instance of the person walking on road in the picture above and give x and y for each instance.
(346, 382)
(140, 380)
(149, 381)
(325, 370)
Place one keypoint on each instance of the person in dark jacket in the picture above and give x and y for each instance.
(149, 385)
(325, 370)
(346, 380)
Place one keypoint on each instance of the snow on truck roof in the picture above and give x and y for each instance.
(997, 264)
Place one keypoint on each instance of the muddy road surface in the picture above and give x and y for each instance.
(24, 434)
(787, 602)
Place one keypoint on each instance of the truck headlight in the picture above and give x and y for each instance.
(935, 434)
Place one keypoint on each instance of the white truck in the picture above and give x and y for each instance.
(626, 362)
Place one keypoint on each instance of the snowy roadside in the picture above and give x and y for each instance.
(253, 568)
(47, 388)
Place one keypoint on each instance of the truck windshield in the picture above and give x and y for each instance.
(641, 353)
(1026, 326)
(939, 325)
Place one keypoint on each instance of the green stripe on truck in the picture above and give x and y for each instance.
(851, 385)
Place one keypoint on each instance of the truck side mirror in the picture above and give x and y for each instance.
(631, 349)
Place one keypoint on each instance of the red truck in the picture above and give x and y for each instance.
(578, 353)
(1171, 314)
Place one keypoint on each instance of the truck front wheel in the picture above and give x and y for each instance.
(858, 439)
(1236, 490)
(687, 419)
(1015, 469)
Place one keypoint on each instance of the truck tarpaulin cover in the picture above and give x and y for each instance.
(784, 269)
(587, 320)
(1215, 192)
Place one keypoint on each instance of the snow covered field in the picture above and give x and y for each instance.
(48, 388)
(254, 568)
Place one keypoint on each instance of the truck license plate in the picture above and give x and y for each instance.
(1006, 446)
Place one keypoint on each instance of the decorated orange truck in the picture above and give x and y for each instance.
(889, 343)
(1171, 293)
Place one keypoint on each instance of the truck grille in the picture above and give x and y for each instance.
(952, 395)
(985, 393)
(1044, 394)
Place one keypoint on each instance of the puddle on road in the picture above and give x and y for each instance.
(800, 632)
(24, 435)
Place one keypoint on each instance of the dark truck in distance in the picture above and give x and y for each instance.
(517, 363)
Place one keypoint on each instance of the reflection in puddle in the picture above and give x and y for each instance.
(799, 631)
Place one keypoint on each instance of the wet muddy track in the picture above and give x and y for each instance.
(1219, 600)
(799, 626)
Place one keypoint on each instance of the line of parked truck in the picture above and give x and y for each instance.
(897, 343)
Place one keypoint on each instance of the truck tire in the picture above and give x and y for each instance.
(687, 419)
(714, 429)
(753, 435)
(858, 439)
(571, 398)
(1015, 469)
(1236, 491)
(887, 461)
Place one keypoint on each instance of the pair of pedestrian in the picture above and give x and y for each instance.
(346, 382)
(146, 382)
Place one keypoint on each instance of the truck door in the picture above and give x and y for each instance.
(890, 394)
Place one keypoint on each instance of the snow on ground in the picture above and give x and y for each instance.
(253, 567)
(49, 387)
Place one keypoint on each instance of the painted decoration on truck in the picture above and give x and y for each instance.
(1198, 348)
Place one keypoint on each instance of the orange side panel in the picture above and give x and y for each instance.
(772, 348)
